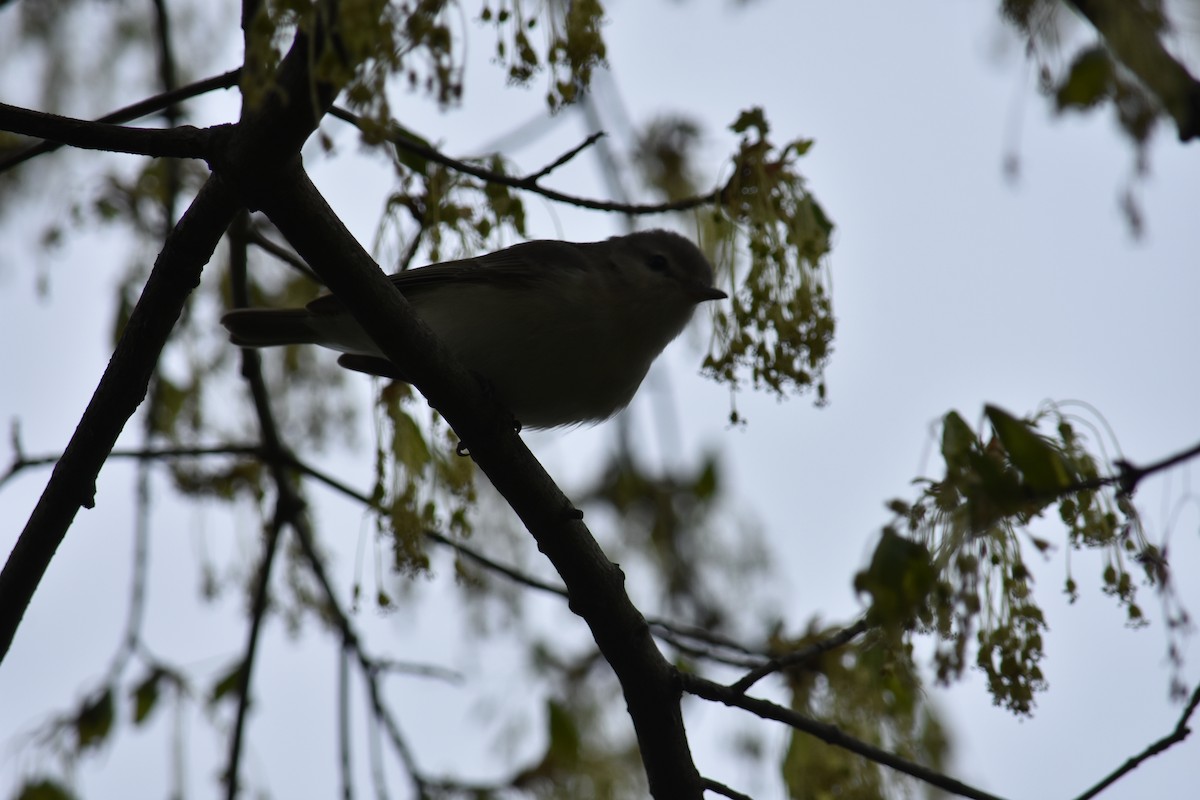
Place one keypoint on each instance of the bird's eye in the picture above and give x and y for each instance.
(658, 262)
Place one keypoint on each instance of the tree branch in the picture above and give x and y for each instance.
(799, 656)
(714, 786)
(185, 141)
(530, 184)
(73, 483)
(595, 584)
(141, 108)
(565, 157)
(1181, 732)
(827, 733)
(284, 510)
(266, 136)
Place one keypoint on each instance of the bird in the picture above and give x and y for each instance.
(563, 333)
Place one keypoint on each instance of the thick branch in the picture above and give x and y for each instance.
(595, 585)
(131, 112)
(182, 142)
(1134, 40)
(827, 733)
(73, 483)
(265, 137)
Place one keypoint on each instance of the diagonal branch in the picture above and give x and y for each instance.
(1181, 732)
(800, 656)
(827, 733)
(265, 137)
(73, 483)
(595, 585)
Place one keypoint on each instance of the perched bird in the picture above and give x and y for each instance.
(563, 332)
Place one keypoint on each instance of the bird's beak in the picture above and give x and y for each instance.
(706, 293)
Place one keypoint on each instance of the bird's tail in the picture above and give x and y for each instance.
(262, 327)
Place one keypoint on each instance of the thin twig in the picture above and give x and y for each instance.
(830, 734)
(257, 238)
(258, 610)
(799, 656)
(704, 650)
(1176, 736)
(564, 158)
(525, 184)
(723, 790)
(21, 462)
(343, 710)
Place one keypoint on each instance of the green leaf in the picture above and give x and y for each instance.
(899, 578)
(228, 683)
(145, 695)
(1040, 464)
(751, 118)
(94, 721)
(958, 440)
(44, 789)
(1089, 81)
(565, 741)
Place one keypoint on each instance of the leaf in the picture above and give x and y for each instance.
(1041, 466)
(751, 118)
(145, 696)
(958, 440)
(899, 578)
(94, 721)
(565, 741)
(1088, 82)
(44, 789)
(228, 683)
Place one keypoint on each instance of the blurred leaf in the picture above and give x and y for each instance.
(147, 693)
(94, 721)
(44, 789)
(899, 578)
(1088, 82)
(1040, 464)
(229, 682)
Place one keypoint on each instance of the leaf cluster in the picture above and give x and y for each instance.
(960, 571)
(779, 324)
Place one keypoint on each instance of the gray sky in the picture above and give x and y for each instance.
(953, 286)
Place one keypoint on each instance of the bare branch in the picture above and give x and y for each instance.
(827, 733)
(185, 141)
(530, 185)
(565, 157)
(73, 483)
(714, 786)
(129, 113)
(258, 610)
(799, 656)
(1181, 732)
(259, 239)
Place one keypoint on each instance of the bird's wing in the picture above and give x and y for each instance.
(513, 267)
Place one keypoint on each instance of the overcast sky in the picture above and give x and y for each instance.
(954, 286)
